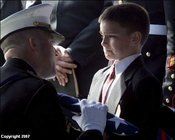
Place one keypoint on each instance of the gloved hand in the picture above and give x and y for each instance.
(93, 116)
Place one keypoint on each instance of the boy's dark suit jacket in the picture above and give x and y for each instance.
(140, 97)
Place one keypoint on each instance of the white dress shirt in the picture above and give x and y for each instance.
(120, 67)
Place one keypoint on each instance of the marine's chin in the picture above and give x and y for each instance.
(49, 75)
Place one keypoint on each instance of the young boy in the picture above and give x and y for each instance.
(133, 92)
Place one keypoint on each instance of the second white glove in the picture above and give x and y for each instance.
(93, 116)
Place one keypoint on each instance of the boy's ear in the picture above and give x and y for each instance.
(136, 38)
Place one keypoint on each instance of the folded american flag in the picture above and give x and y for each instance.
(114, 124)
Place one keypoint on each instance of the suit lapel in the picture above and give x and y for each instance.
(96, 86)
(132, 68)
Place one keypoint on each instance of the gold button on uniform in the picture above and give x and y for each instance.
(173, 76)
(170, 88)
(148, 54)
(167, 100)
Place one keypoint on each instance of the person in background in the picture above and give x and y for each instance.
(167, 112)
(126, 87)
(169, 79)
(7, 8)
(29, 103)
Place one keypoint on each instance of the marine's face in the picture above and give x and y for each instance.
(47, 55)
(115, 40)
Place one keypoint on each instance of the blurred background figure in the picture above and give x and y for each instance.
(169, 79)
(168, 108)
(8, 7)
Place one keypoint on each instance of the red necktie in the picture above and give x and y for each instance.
(108, 83)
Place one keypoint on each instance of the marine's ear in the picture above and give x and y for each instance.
(32, 43)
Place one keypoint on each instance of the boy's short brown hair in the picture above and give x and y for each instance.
(131, 16)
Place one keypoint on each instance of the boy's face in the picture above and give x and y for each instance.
(116, 41)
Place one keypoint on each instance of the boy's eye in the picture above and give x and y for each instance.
(110, 36)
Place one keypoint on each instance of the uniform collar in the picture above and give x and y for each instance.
(21, 64)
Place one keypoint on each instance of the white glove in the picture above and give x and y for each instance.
(93, 116)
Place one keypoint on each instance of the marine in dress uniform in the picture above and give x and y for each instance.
(29, 103)
(169, 79)
(168, 108)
